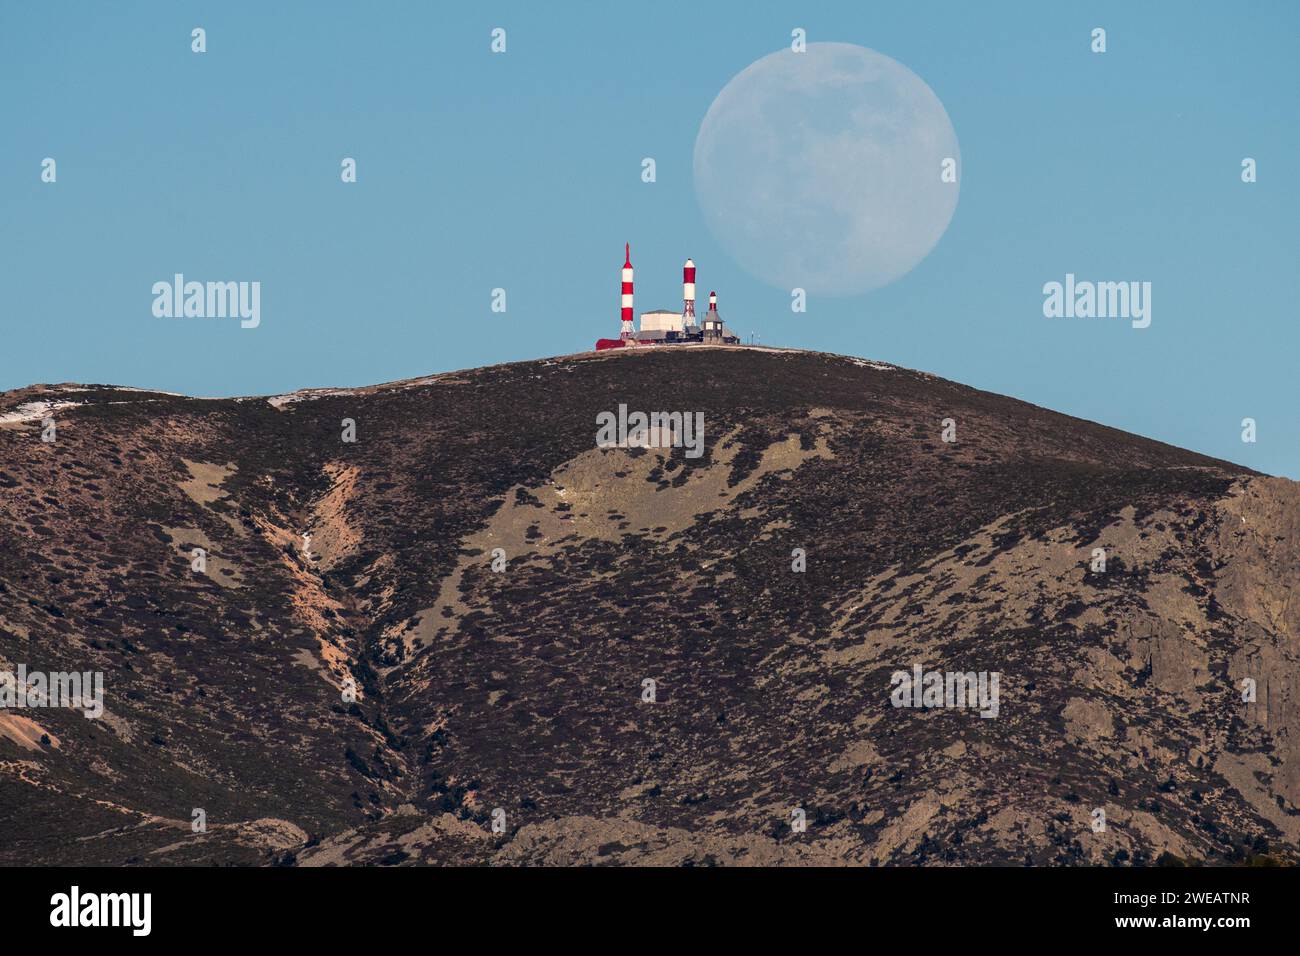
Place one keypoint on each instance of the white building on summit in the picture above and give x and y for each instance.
(661, 320)
(664, 326)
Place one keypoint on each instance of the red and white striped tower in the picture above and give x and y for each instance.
(688, 295)
(626, 334)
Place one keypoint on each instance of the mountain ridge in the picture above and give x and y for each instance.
(311, 392)
(521, 689)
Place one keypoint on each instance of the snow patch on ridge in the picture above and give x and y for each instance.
(306, 395)
(29, 411)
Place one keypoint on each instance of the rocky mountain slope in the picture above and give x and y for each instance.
(1124, 592)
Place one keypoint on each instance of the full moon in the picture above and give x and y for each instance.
(822, 170)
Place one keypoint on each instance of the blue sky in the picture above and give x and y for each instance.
(522, 171)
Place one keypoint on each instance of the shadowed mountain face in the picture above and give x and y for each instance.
(499, 590)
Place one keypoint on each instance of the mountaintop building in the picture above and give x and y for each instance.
(663, 326)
